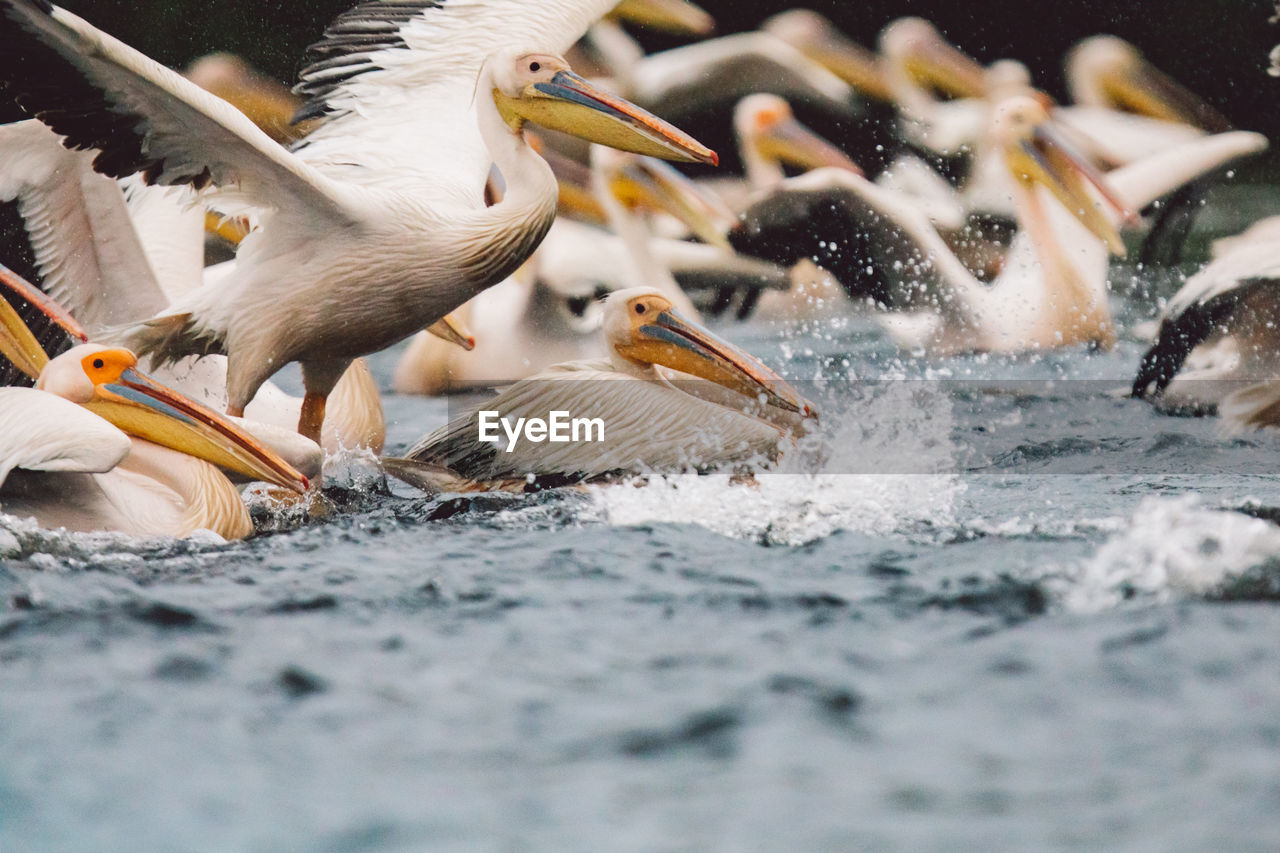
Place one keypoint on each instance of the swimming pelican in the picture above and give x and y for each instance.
(651, 421)
(376, 226)
(1053, 289)
(1219, 333)
(96, 445)
(111, 263)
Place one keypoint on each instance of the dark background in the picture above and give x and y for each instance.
(1218, 48)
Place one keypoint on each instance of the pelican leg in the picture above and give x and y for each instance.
(311, 419)
(319, 379)
(235, 411)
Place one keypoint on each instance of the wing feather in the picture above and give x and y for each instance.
(41, 432)
(86, 250)
(648, 426)
(142, 117)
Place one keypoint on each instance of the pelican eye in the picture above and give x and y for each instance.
(641, 308)
(535, 67)
(99, 363)
(578, 305)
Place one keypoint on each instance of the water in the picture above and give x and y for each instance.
(1012, 615)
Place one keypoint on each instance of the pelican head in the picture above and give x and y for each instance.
(543, 89)
(642, 327)
(643, 183)
(1036, 153)
(819, 40)
(917, 47)
(1109, 71)
(766, 124)
(106, 382)
(675, 17)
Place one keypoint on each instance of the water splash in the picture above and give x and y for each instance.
(1171, 548)
(881, 464)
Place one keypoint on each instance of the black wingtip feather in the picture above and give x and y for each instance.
(1180, 335)
(347, 49)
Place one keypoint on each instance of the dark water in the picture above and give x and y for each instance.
(1012, 614)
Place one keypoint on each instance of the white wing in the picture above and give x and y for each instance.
(1141, 183)
(41, 432)
(396, 82)
(86, 249)
(648, 426)
(169, 223)
(142, 117)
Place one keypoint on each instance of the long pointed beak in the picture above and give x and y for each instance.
(1051, 161)
(452, 330)
(144, 408)
(793, 144)
(570, 104)
(651, 183)
(944, 67)
(17, 342)
(1145, 90)
(675, 17)
(852, 63)
(677, 343)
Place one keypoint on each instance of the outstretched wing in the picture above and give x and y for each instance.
(85, 249)
(142, 117)
(41, 432)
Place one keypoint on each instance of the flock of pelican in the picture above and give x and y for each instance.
(486, 179)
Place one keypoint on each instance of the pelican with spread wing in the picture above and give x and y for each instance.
(376, 226)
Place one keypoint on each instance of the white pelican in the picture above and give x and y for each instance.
(770, 138)
(650, 422)
(376, 226)
(1219, 333)
(548, 312)
(1053, 289)
(820, 40)
(96, 445)
(1127, 107)
(697, 86)
(106, 272)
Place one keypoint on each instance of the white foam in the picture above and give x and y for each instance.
(894, 445)
(1171, 548)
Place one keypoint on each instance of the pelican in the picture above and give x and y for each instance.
(376, 226)
(109, 263)
(769, 139)
(97, 445)
(697, 86)
(1053, 289)
(820, 40)
(1219, 334)
(1126, 106)
(651, 423)
(548, 312)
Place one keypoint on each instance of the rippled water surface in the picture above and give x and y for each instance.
(1012, 612)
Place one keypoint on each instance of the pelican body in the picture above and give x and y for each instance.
(652, 421)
